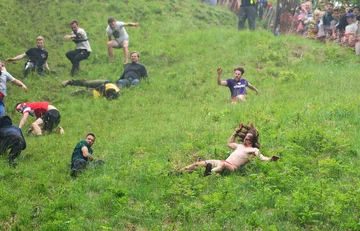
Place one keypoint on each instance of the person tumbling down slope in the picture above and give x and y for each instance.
(237, 85)
(239, 157)
(47, 117)
(11, 137)
(82, 154)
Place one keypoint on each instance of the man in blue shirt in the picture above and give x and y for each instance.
(237, 85)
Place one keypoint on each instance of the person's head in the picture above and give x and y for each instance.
(74, 24)
(356, 11)
(2, 66)
(111, 23)
(134, 56)
(317, 14)
(40, 42)
(308, 6)
(336, 13)
(251, 139)
(19, 106)
(329, 7)
(238, 72)
(350, 18)
(90, 139)
(348, 10)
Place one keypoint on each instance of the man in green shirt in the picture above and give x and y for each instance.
(82, 154)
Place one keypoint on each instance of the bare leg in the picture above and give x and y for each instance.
(194, 166)
(110, 45)
(241, 98)
(125, 45)
(36, 127)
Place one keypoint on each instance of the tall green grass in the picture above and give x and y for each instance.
(306, 112)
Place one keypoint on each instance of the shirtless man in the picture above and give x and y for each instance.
(240, 157)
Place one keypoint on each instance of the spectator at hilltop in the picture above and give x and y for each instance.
(327, 18)
(237, 85)
(356, 11)
(333, 25)
(117, 30)
(350, 30)
(6, 77)
(247, 12)
(37, 58)
(82, 154)
(343, 21)
(83, 49)
(357, 37)
(100, 87)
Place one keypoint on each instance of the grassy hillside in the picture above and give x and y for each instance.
(306, 112)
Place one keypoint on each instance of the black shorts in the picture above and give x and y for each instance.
(51, 119)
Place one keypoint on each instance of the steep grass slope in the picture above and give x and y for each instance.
(306, 112)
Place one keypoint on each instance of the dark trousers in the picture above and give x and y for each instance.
(249, 13)
(88, 83)
(15, 143)
(77, 55)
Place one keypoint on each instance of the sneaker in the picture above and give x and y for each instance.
(12, 163)
(208, 169)
(73, 173)
(59, 130)
(65, 83)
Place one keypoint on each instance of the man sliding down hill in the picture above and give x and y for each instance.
(101, 87)
(241, 155)
(82, 154)
(237, 85)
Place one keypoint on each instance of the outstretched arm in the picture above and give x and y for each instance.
(19, 83)
(265, 158)
(219, 81)
(231, 142)
(253, 88)
(19, 57)
(132, 24)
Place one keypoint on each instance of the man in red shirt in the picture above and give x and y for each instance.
(47, 116)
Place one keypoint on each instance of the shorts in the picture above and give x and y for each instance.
(120, 44)
(51, 119)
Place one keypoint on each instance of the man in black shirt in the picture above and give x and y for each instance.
(37, 58)
(133, 72)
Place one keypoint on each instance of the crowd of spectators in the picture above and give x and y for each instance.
(336, 25)
(326, 23)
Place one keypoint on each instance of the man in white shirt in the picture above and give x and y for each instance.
(117, 30)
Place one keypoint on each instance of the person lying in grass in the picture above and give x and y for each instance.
(100, 87)
(238, 158)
